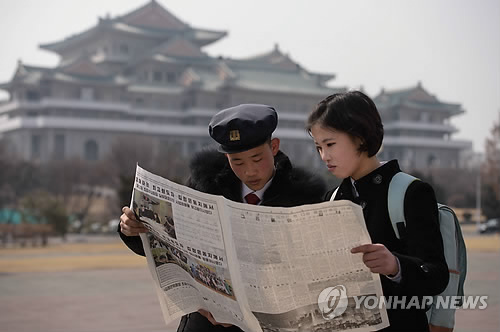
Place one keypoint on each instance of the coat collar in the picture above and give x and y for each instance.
(211, 173)
(372, 183)
(378, 178)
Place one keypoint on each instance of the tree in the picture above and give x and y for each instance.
(70, 187)
(77, 185)
(490, 204)
(490, 175)
(162, 158)
(17, 178)
(40, 207)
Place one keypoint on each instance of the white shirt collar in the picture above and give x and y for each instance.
(356, 194)
(260, 193)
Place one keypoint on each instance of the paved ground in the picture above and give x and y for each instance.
(483, 279)
(96, 300)
(94, 285)
(100, 286)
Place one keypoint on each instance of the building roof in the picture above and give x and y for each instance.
(180, 47)
(159, 89)
(151, 20)
(80, 70)
(83, 66)
(276, 81)
(410, 141)
(29, 75)
(415, 97)
(177, 44)
(275, 71)
(153, 15)
(207, 79)
(275, 58)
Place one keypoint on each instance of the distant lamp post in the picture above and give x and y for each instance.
(478, 197)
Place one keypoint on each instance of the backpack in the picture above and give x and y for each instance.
(439, 319)
(453, 243)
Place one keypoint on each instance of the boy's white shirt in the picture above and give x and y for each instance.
(260, 193)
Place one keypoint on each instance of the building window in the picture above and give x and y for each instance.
(87, 94)
(395, 116)
(124, 48)
(192, 147)
(59, 146)
(431, 160)
(91, 150)
(170, 77)
(36, 147)
(32, 95)
(424, 117)
(157, 76)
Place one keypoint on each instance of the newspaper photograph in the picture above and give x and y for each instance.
(187, 253)
(287, 257)
(260, 268)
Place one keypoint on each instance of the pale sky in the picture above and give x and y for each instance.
(451, 46)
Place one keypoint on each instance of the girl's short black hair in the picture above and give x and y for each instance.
(353, 113)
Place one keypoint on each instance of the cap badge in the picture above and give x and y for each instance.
(234, 135)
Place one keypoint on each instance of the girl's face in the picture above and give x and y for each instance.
(340, 152)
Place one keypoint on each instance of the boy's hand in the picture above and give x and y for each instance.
(129, 224)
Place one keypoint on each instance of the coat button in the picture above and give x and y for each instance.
(424, 268)
(377, 179)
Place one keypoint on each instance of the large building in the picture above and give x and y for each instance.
(145, 73)
(417, 130)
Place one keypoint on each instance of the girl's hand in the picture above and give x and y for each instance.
(211, 318)
(378, 259)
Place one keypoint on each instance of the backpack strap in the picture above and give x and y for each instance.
(334, 193)
(395, 199)
(459, 262)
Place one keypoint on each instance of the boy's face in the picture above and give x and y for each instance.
(255, 167)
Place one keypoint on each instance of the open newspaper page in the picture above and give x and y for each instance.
(261, 268)
(187, 253)
(297, 268)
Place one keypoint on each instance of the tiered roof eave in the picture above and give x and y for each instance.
(402, 97)
(179, 43)
(131, 24)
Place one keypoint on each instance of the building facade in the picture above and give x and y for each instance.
(145, 73)
(418, 130)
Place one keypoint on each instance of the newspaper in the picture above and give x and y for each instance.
(260, 268)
